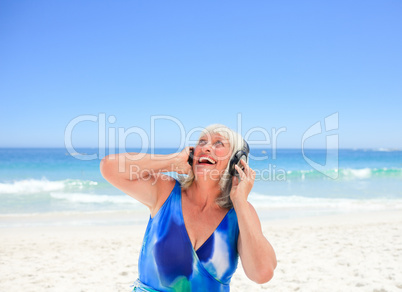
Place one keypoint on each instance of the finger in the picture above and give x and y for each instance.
(249, 172)
(235, 181)
(252, 174)
(241, 172)
(246, 168)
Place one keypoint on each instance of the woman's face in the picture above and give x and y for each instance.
(211, 156)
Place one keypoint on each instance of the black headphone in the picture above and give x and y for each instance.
(191, 157)
(241, 154)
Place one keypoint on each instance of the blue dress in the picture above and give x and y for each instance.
(168, 261)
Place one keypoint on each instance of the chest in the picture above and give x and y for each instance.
(201, 225)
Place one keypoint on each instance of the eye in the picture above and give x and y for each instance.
(218, 143)
(202, 142)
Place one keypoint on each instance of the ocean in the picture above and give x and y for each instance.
(289, 182)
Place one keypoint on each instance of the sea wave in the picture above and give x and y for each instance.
(93, 198)
(346, 173)
(279, 202)
(32, 186)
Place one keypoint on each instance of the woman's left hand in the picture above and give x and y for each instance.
(241, 189)
(256, 253)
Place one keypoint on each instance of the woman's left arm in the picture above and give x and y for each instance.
(256, 253)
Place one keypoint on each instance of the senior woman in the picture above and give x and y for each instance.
(199, 225)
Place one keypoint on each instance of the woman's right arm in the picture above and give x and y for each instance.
(140, 175)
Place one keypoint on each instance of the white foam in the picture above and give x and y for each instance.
(92, 198)
(279, 202)
(357, 173)
(345, 174)
(32, 186)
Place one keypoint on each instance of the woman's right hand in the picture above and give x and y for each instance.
(182, 166)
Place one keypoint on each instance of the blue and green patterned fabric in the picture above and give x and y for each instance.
(168, 261)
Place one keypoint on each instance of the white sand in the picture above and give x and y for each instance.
(354, 252)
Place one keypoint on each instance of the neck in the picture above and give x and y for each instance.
(203, 194)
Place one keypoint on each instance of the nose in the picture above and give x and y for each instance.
(207, 147)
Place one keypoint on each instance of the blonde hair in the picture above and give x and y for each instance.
(236, 143)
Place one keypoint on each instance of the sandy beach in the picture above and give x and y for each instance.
(344, 252)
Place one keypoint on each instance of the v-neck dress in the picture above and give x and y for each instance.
(168, 261)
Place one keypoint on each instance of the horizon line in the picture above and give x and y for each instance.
(172, 147)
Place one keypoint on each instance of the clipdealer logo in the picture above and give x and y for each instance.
(108, 135)
(331, 123)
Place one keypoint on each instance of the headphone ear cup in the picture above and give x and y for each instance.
(231, 166)
(191, 157)
(235, 159)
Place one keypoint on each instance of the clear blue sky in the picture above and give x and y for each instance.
(277, 63)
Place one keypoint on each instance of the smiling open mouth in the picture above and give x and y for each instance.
(207, 160)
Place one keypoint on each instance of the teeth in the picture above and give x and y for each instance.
(202, 159)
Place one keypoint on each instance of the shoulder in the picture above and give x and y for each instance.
(166, 185)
